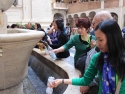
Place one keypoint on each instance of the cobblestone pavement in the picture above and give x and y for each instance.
(32, 84)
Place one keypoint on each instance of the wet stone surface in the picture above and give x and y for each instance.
(32, 84)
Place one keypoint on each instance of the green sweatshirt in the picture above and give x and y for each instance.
(90, 75)
(79, 46)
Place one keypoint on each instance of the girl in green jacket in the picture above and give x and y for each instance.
(109, 64)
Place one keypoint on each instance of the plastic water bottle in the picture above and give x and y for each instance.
(48, 89)
(52, 54)
(48, 50)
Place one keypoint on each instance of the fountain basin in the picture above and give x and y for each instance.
(44, 67)
(15, 49)
(5, 4)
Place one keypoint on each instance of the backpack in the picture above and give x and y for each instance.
(80, 64)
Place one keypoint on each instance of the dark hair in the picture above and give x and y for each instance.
(68, 24)
(13, 25)
(38, 25)
(50, 25)
(83, 22)
(8, 26)
(60, 24)
(116, 47)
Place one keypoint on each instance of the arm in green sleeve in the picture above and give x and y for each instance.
(89, 74)
(69, 44)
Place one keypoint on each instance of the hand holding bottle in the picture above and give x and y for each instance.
(58, 50)
(49, 90)
(55, 51)
(51, 53)
(55, 83)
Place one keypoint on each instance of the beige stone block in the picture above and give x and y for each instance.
(15, 47)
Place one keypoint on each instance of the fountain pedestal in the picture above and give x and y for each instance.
(15, 48)
(3, 23)
(13, 90)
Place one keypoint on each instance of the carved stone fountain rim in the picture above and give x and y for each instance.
(16, 35)
(6, 4)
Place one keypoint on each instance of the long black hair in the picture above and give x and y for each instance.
(116, 47)
(60, 24)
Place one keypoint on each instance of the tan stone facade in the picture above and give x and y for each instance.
(44, 12)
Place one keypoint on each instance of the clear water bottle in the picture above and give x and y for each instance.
(48, 89)
(52, 54)
(48, 50)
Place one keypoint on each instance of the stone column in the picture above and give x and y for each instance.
(74, 21)
(70, 21)
(41, 12)
(26, 19)
(102, 4)
(3, 23)
(121, 15)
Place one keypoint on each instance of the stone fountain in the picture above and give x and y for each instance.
(15, 48)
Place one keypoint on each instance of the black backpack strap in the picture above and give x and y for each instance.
(90, 40)
(88, 48)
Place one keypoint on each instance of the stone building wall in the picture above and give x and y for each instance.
(43, 12)
(33, 11)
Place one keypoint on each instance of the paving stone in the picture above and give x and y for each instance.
(32, 84)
